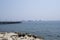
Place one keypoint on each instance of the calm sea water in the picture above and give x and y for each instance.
(49, 30)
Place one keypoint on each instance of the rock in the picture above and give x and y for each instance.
(18, 36)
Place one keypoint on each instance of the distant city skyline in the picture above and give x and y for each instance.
(17, 10)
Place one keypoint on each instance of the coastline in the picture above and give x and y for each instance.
(10, 22)
(18, 36)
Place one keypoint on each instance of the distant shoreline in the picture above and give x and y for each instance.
(10, 22)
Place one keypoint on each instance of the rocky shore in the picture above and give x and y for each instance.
(18, 36)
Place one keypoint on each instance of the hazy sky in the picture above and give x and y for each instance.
(29, 10)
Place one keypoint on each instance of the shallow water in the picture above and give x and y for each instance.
(50, 30)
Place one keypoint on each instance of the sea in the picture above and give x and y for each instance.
(49, 30)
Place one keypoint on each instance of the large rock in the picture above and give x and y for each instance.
(18, 36)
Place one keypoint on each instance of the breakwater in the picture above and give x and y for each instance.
(10, 22)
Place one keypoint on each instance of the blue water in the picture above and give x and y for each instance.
(50, 30)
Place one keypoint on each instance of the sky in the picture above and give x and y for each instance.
(17, 10)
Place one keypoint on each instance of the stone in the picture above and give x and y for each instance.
(18, 36)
